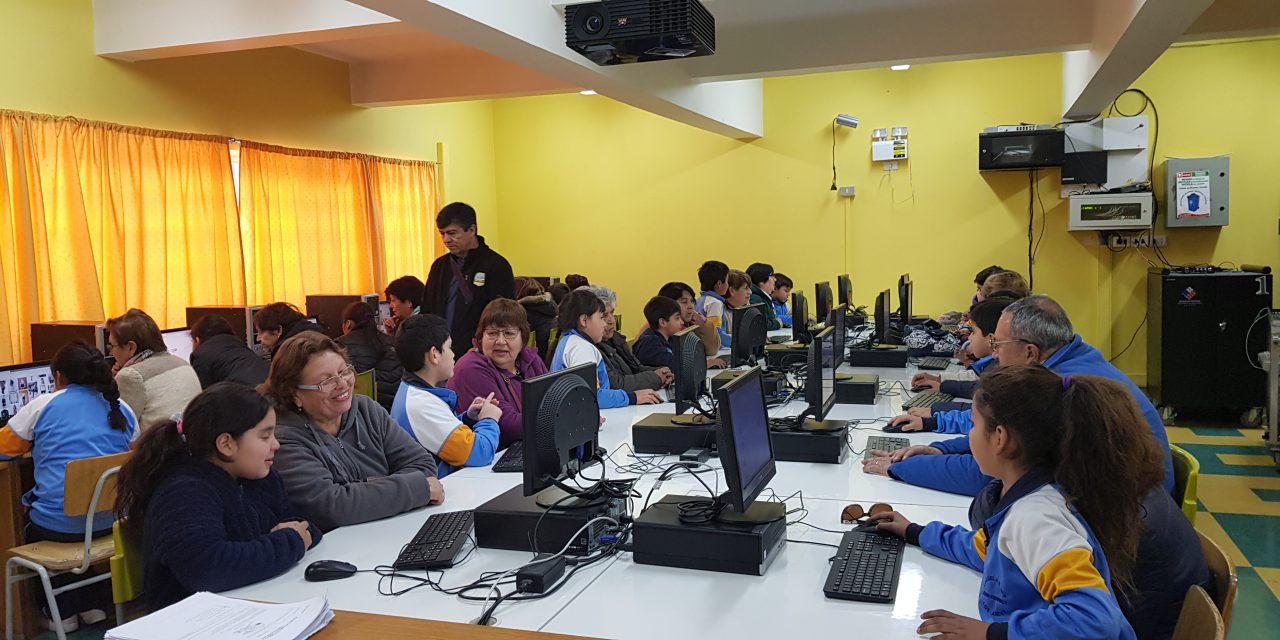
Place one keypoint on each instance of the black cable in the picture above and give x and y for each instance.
(833, 154)
(1044, 217)
(820, 544)
(1131, 339)
(1031, 221)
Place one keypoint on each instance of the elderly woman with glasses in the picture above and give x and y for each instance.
(499, 363)
(342, 458)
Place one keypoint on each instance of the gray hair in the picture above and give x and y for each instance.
(1040, 321)
(606, 295)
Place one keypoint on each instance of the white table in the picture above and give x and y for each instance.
(619, 599)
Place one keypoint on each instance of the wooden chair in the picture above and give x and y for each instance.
(90, 482)
(367, 384)
(1186, 479)
(1199, 619)
(1224, 577)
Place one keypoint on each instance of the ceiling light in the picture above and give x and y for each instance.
(899, 67)
(587, 92)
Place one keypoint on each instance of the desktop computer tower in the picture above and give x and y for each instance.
(48, 337)
(327, 309)
(240, 318)
(1204, 331)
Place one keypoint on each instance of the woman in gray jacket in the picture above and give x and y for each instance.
(343, 459)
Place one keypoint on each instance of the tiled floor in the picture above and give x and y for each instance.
(1239, 495)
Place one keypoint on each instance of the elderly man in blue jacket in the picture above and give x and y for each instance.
(1032, 330)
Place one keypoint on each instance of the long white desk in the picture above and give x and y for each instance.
(617, 598)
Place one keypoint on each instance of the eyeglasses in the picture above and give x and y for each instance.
(510, 335)
(347, 374)
(996, 344)
(854, 513)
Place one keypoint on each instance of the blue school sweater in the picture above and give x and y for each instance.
(653, 350)
(428, 414)
(712, 305)
(574, 349)
(1043, 572)
(206, 531)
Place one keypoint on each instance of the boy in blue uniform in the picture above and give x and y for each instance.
(653, 347)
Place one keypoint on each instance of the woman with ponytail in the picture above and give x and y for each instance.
(368, 348)
(201, 496)
(82, 418)
(1075, 460)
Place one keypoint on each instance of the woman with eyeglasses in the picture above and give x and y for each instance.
(343, 459)
(154, 383)
(498, 365)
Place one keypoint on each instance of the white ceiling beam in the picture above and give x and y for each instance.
(135, 30)
(449, 78)
(1128, 35)
(531, 33)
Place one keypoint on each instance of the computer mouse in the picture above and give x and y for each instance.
(322, 570)
(920, 387)
(893, 428)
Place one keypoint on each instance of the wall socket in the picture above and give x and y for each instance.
(846, 192)
(1121, 241)
(890, 166)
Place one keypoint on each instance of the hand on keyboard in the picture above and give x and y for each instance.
(923, 412)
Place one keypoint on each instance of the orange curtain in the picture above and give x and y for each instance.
(96, 218)
(403, 204)
(304, 217)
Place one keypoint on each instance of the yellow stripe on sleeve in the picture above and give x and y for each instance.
(1071, 569)
(980, 543)
(457, 447)
(11, 445)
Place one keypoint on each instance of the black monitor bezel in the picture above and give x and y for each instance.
(818, 406)
(531, 392)
(882, 317)
(685, 369)
(799, 317)
(821, 293)
(747, 347)
(844, 290)
(738, 496)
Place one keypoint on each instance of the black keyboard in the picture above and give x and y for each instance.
(438, 542)
(887, 444)
(927, 399)
(865, 568)
(512, 460)
(934, 363)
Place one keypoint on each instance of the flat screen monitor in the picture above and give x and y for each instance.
(820, 380)
(20, 384)
(822, 300)
(904, 302)
(746, 448)
(837, 322)
(844, 290)
(690, 369)
(799, 318)
(561, 421)
(178, 342)
(882, 318)
(384, 314)
(749, 333)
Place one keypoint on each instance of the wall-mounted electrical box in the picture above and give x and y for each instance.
(1109, 211)
(887, 150)
(1197, 191)
(1020, 150)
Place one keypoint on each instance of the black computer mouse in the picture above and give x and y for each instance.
(322, 570)
(919, 388)
(893, 428)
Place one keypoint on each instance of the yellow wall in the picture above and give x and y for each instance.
(279, 96)
(632, 200)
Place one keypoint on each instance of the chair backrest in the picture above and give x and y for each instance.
(1186, 480)
(367, 384)
(1199, 619)
(1224, 577)
(126, 566)
(82, 478)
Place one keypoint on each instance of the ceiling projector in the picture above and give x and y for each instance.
(626, 31)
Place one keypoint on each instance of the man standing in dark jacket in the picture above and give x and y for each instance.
(462, 282)
(219, 355)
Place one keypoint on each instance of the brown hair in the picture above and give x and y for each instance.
(738, 280)
(1090, 434)
(503, 312)
(527, 287)
(137, 327)
(277, 316)
(290, 359)
(1007, 283)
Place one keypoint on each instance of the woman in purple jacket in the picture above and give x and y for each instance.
(498, 364)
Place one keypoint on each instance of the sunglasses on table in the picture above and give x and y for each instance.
(856, 514)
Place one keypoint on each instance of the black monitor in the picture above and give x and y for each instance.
(749, 333)
(820, 380)
(883, 331)
(746, 448)
(822, 300)
(799, 318)
(690, 369)
(844, 290)
(837, 321)
(20, 384)
(561, 422)
(904, 300)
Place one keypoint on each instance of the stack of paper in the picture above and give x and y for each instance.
(207, 616)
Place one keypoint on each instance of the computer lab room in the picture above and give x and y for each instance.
(635, 319)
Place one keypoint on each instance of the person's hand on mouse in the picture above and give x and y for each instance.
(928, 380)
(301, 528)
(908, 422)
(923, 412)
(437, 490)
(890, 522)
(716, 363)
(952, 625)
(648, 396)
